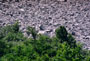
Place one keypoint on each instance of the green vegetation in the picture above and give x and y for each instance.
(62, 47)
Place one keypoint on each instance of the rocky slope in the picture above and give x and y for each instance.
(47, 15)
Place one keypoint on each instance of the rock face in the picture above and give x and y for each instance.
(73, 14)
(63, 0)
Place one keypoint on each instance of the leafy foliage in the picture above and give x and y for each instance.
(3, 48)
(62, 47)
(62, 33)
(64, 36)
(32, 31)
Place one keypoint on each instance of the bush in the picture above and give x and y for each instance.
(3, 48)
(62, 47)
(62, 33)
(14, 37)
(15, 27)
(32, 31)
(9, 29)
(64, 36)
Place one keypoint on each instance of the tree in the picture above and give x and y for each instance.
(64, 36)
(61, 33)
(15, 27)
(32, 31)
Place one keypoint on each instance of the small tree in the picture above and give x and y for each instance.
(32, 31)
(64, 36)
(61, 33)
(15, 27)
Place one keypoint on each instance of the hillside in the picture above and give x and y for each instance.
(47, 15)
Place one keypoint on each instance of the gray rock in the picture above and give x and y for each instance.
(42, 27)
(1, 21)
(73, 33)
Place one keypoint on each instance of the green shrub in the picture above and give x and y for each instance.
(61, 33)
(15, 27)
(9, 29)
(63, 47)
(69, 54)
(71, 41)
(3, 48)
(14, 37)
(32, 31)
(64, 36)
(42, 44)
